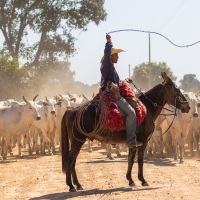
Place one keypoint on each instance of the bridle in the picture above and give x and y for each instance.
(178, 100)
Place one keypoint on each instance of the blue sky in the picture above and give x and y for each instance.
(177, 20)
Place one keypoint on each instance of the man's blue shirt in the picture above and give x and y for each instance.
(108, 71)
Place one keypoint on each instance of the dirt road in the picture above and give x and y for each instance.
(39, 178)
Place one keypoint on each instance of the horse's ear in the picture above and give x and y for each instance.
(166, 78)
(164, 75)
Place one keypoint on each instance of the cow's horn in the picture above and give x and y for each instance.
(35, 97)
(24, 99)
(46, 98)
(84, 97)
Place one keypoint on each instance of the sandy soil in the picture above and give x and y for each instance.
(39, 178)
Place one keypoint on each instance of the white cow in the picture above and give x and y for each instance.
(16, 120)
(46, 126)
(3, 105)
(77, 100)
(62, 104)
(194, 133)
(160, 141)
(180, 127)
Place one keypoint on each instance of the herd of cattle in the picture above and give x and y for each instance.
(37, 124)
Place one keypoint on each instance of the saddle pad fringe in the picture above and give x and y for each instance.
(115, 122)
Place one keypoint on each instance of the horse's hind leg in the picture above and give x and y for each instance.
(71, 162)
(131, 156)
(75, 178)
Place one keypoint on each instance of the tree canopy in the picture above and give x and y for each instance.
(54, 23)
(53, 20)
(189, 83)
(13, 80)
(49, 80)
(141, 74)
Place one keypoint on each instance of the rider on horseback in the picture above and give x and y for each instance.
(109, 82)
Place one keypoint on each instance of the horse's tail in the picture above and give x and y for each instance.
(64, 143)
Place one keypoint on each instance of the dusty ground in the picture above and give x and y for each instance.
(41, 178)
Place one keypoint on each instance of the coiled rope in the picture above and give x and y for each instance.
(188, 45)
(99, 124)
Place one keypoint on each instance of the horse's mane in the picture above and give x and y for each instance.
(150, 92)
(153, 90)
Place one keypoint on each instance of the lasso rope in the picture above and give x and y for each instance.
(156, 34)
(99, 125)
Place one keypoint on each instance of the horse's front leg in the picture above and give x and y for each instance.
(131, 156)
(140, 165)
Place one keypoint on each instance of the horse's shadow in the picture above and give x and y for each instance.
(161, 162)
(153, 161)
(69, 195)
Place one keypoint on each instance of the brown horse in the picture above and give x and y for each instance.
(73, 140)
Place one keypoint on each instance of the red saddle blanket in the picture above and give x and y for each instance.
(115, 121)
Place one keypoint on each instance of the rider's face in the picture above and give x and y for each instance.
(114, 58)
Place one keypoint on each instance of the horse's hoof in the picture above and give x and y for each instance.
(132, 184)
(4, 157)
(145, 184)
(79, 188)
(119, 155)
(110, 157)
(72, 190)
(11, 154)
(163, 156)
(90, 151)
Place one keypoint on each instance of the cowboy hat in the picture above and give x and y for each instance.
(113, 51)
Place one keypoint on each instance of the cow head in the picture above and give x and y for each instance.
(194, 104)
(32, 107)
(51, 103)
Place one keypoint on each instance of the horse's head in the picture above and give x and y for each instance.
(174, 95)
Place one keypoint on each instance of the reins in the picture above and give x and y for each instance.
(174, 113)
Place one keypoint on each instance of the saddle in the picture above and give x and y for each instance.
(115, 117)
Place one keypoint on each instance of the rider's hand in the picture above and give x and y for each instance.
(128, 80)
(108, 37)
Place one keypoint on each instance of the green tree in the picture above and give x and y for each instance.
(190, 83)
(53, 20)
(13, 80)
(141, 74)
